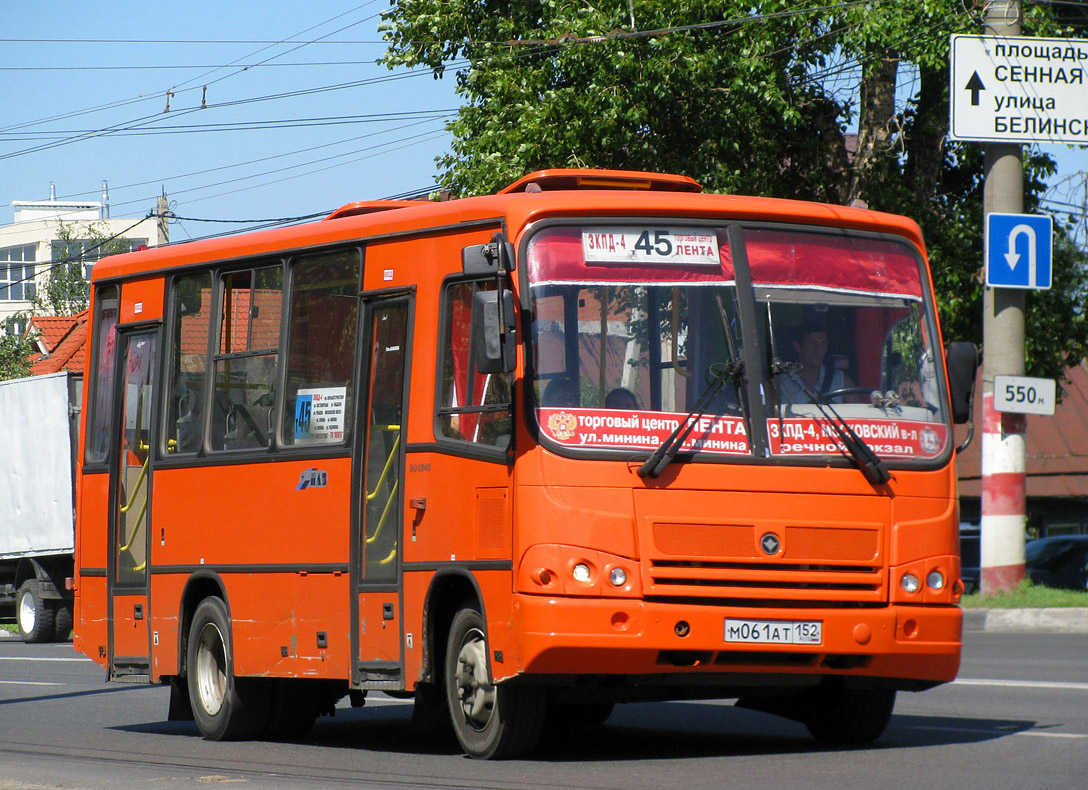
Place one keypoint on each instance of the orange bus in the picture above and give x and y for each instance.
(596, 438)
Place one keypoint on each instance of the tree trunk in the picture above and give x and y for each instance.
(874, 123)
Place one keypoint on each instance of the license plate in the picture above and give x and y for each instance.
(775, 632)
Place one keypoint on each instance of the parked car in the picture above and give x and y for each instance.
(970, 557)
(1058, 561)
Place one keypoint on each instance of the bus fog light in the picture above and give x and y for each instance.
(580, 572)
(935, 580)
(910, 582)
(618, 577)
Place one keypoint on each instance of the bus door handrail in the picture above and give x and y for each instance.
(371, 495)
(139, 447)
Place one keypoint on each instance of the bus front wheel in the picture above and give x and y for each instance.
(225, 707)
(491, 721)
(849, 717)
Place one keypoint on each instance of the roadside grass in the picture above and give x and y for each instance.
(9, 627)
(1026, 596)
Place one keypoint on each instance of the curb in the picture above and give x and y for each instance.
(1055, 620)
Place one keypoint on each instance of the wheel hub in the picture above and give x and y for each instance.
(474, 690)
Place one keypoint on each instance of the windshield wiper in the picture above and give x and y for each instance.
(867, 461)
(664, 454)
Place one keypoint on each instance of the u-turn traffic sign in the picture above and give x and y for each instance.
(1018, 251)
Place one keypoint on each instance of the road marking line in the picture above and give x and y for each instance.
(981, 731)
(1054, 734)
(39, 658)
(28, 683)
(1025, 684)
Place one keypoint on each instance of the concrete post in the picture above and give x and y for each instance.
(1003, 435)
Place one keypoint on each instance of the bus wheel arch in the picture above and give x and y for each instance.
(450, 591)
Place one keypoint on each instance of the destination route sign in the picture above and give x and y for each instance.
(1019, 89)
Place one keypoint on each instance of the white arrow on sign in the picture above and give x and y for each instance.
(1013, 257)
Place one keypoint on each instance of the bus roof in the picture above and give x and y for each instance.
(557, 193)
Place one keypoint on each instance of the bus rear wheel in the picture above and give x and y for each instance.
(225, 707)
(491, 721)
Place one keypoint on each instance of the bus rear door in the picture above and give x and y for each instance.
(130, 509)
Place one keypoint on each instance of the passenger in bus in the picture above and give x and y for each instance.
(811, 346)
(561, 391)
(621, 398)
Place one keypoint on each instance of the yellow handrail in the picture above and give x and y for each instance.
(139, 484)
(389, 461)
(385, 512)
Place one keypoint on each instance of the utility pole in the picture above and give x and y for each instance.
(162, 210)
(1004, 457)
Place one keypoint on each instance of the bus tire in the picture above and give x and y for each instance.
(34, 616)
(225, 707)
(491, 721)
(849, 717)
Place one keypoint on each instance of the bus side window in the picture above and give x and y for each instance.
(245, 365)
(321, 348)
(107, 311)
(473, 407)
(190, 325)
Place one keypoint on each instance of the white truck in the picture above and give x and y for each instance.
(39, 429)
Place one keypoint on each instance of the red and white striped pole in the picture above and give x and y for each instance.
(1004, 493)
(1004, 486)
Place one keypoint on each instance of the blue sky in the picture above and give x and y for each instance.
(297, 117)
(345, 130)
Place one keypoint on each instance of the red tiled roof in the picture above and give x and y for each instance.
(65, 340)
(1056, 447)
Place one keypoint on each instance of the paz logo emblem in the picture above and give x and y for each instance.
(770, 543)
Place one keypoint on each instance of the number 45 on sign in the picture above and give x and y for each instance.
(1024, 395)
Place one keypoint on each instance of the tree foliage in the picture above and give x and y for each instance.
(745, 97)
(15, 351)
(64, 289)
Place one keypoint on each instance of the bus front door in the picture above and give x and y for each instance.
(376, 557)
(130, 512)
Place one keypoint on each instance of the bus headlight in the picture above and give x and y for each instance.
(935, 580)
(910, 582)
(618, 577)
(580, 572)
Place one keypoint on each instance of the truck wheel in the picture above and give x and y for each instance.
(225, 707)
(62, 622)
(491, 721)
(35, 616)
(849, 717)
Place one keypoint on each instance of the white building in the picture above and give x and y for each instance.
(31, 244)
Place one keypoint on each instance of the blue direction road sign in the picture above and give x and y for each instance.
(1018, 251)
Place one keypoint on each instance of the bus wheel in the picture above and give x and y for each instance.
(34, 616)
(849, 717)
(225, 707)
(491, 721)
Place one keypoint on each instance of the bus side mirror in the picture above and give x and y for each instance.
(962, 361)
(493, 343)
(494, 258)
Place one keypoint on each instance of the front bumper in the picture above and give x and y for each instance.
(909, 646)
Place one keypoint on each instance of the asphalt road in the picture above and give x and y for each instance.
(1016, 718)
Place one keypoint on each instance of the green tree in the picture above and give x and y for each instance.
(15, 351)
(746, 97)
(64, 289)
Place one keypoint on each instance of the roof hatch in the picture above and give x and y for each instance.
(547, 180)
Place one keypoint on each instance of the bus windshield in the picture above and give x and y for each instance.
(631, 324)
